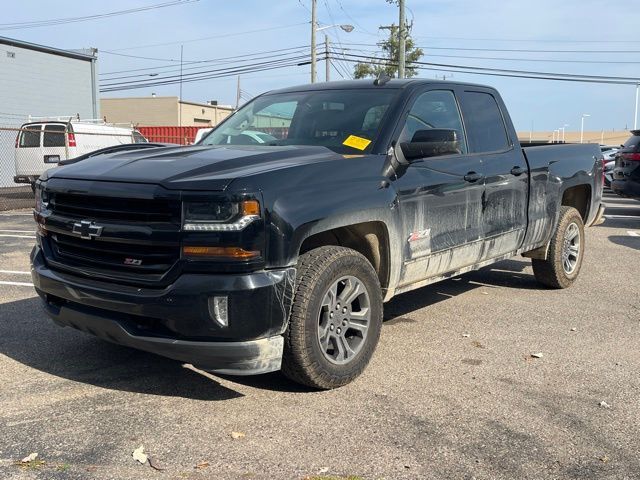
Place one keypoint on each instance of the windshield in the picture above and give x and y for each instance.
(346, 121)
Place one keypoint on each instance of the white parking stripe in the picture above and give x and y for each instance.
(16, 214)
(17, 231)
(19, 236)
(633, 234)
(15, 272)
(19, 284)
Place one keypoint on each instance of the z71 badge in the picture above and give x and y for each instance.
(132, 261)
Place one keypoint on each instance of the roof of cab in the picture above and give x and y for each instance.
(394, 83)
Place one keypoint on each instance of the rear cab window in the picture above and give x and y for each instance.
(30, 136)
(633, 143)
(54, 135)
(484, 123)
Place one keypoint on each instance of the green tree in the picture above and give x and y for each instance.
(389, 54)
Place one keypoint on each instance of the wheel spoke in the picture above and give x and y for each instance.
(344, 349)
(324, 341)
(352, 290)
(330, 297)
(574, 249)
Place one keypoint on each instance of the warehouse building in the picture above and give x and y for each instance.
(163, 111)
(41, 81)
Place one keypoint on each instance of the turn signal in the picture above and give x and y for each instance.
(227, 252)
(250, 207)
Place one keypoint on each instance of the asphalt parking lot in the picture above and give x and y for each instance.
(434, 403)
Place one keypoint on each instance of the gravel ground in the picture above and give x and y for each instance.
(434, 402)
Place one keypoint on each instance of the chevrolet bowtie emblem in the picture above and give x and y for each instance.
(87, 229)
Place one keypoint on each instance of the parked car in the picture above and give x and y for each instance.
(626, 174)
(608, 152)
(246, 259)
(42, 144)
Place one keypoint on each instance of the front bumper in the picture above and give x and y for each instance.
(175, 321)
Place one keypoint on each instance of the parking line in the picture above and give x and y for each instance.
(17, 231)
(19, 284)
(633, 234)
(18, 236)
(15, 272)
(16, 214)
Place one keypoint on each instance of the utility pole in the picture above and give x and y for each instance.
(327, 61)
(238, 94)
(584, 115)
(314, 23)
(180, 97)
(402, 37)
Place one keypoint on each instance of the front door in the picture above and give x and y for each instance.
(440, 197)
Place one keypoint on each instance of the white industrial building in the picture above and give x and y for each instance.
(41, 81)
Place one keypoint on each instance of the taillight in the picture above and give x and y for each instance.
(634, 157)
(72, 139)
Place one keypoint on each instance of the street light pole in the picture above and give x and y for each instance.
(582, 126)
(402, 37)
(314, 22)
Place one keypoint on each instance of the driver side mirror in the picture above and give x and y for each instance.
(433, 142)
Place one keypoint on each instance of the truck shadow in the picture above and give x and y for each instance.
(626, 241)
(28, 337)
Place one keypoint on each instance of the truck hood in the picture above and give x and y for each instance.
(192, 168)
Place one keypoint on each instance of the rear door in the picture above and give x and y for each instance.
(506, 174)
(440, 197)
(54, 144)
(28, 155)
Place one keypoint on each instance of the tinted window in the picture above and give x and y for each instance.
(484, 123)
(633, 142)
(434, 109)
(53, 136)
(30, 136)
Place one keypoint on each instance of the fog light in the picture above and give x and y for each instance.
(219, 310)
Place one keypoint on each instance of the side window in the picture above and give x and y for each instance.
(53, 136)
(484, 122)
(435, 109)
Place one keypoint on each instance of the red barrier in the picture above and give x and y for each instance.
(168, 134)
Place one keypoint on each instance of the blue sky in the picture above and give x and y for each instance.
(438, 26)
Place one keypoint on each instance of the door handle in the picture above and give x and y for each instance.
(472, 177)
(517, 171)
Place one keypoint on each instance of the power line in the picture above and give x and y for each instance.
(514, 59)
(504, 72)
(524, 40)
(200, 39)
(204, 72)
(62, 21)
(253, 57)
(213, 60)
(218, 73)
(519, 50)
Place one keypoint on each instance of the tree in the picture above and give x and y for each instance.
(389, 64)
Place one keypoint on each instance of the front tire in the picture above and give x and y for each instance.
(566, 250)
(335, 320)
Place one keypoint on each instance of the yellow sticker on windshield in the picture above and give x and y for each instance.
(356, 142)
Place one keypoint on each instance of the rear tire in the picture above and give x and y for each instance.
(335, 320)
(566, 250)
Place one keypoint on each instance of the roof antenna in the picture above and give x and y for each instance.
(382, 79)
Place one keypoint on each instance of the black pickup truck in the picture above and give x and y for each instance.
(274, 242)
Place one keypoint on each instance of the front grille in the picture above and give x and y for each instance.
(139, 241)
(115, 256)
(116, 209)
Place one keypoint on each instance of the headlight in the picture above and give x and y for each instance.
(42, 198)
(220, 216)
